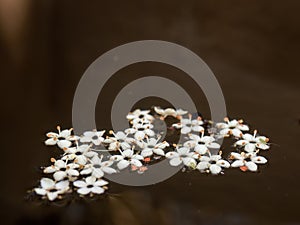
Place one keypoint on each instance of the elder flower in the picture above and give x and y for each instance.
(152, 146)
(62, 169)
(201, 144)
(51, 189)
(90, 185)
(182, 155)
(63, 138)
(247, 161)
(127, 158)
(94, 137)
(170, 112)
(234, 127)
(212, 164)
(251, 142)
(189, 125)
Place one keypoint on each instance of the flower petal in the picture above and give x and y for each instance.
(47, 183)
(123, 164)
(84, 191)
(175, 161)
(237, 163)
(79, 183)
(215, 169)
(251, 166)
(259, 159)
(100, 183)
(40, 191)
(52, 195)
(202, 166)
(97, 190)
(59, 175)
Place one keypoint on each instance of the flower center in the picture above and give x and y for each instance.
(95, 137)
(90, 186)
(212, 162)
(78, 153)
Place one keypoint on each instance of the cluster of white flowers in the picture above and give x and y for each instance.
(81, 166)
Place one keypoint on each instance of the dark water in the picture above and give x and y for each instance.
(253, 49)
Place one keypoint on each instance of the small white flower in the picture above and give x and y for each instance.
(189, 125)
(127, 158)
(79, 154)
(170, 112)
(90, 185)
(52, 189)
(120, 140)
(98, 168)
(92, 136)
(247, 160)
(234, 127)
(61, 170)
(212, 164)
(182, 155)
(251, 142)
(140, 115)
(63, 138)
(201, 144)
(140, 131)
(152, 146)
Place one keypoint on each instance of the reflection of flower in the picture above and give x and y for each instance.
(92, 136)
(251, 142)
(52, 189)
(61, 170)
(63, 139)
(90, 185)
(170, 112)
(201, 143)
(212, 163)
(152, 146)
(127, 158)
(234, 127)
(97, 168)
(189, 125)
(182, 155)
(247, 161)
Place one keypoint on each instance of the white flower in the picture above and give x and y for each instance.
(140, 131)
(92, 136)
(234, 127)
(120, 140)
(152, 146)
(247, 160)
(90, 185)
(127, 158)
(63, 139)
(251, 142)
(182, 155)
(61, 169)
(98, 168)
(189, 125)
(212, 163)
(140, 115)
(79, 154)
(170, 112)
(52, 189)
(201, 144)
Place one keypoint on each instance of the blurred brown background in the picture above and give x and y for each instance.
(251, 46)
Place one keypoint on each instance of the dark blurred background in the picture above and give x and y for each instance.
(251, 46)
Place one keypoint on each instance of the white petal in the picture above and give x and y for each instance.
(236, 155)
(52, 195)
(248, 137)
(47, 183)
(65, 133)
(40, 191)
(86, 171)
(59, 175)
(158, 151)
(197, 128)
(60, 163)
(136, 162)
(116, 157)
(225, 131)
(64, 144)
(207, 139)
(98, 141)
(50, 141)
(236, 132)
(188, 161)
(109, 170)
(183, 150)
(262, 146)
(243, 127)
(149, 132)
(139, 135)
(250, 147)
(201, 149)
(251, 166)
(215, 157)
(241, 142)
(213, 145)
(215, 169)
(84, 191)
(79, 183)
(100, 183)
(185, 130)
(147, 152)
(259, 159)
(123, 164)
(85, 139)
(73, 172)
(90, 180)
(81, 160)
(62, 185)
(52, 134)
(171, 155)
(97, 190)
(223, 163)
(237, 163)
(128, 153)
(175, 161)
(50, 169)
(205, 158)
(202, 166)
(98, 173)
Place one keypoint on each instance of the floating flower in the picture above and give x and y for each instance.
(189, 125)
(234, 127)
(247, 161)
(182, 155)
(251, 142)
(140, 131)
(52, 189)
(152, 146)
(79, 154)
(94, 137)
(212, 164)
(90, 185)
(140, 115)
(120, 140)
(62, 169)
(201, 144)
(127, 158)
(63, 138)
(97, 168)
(170, 112)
